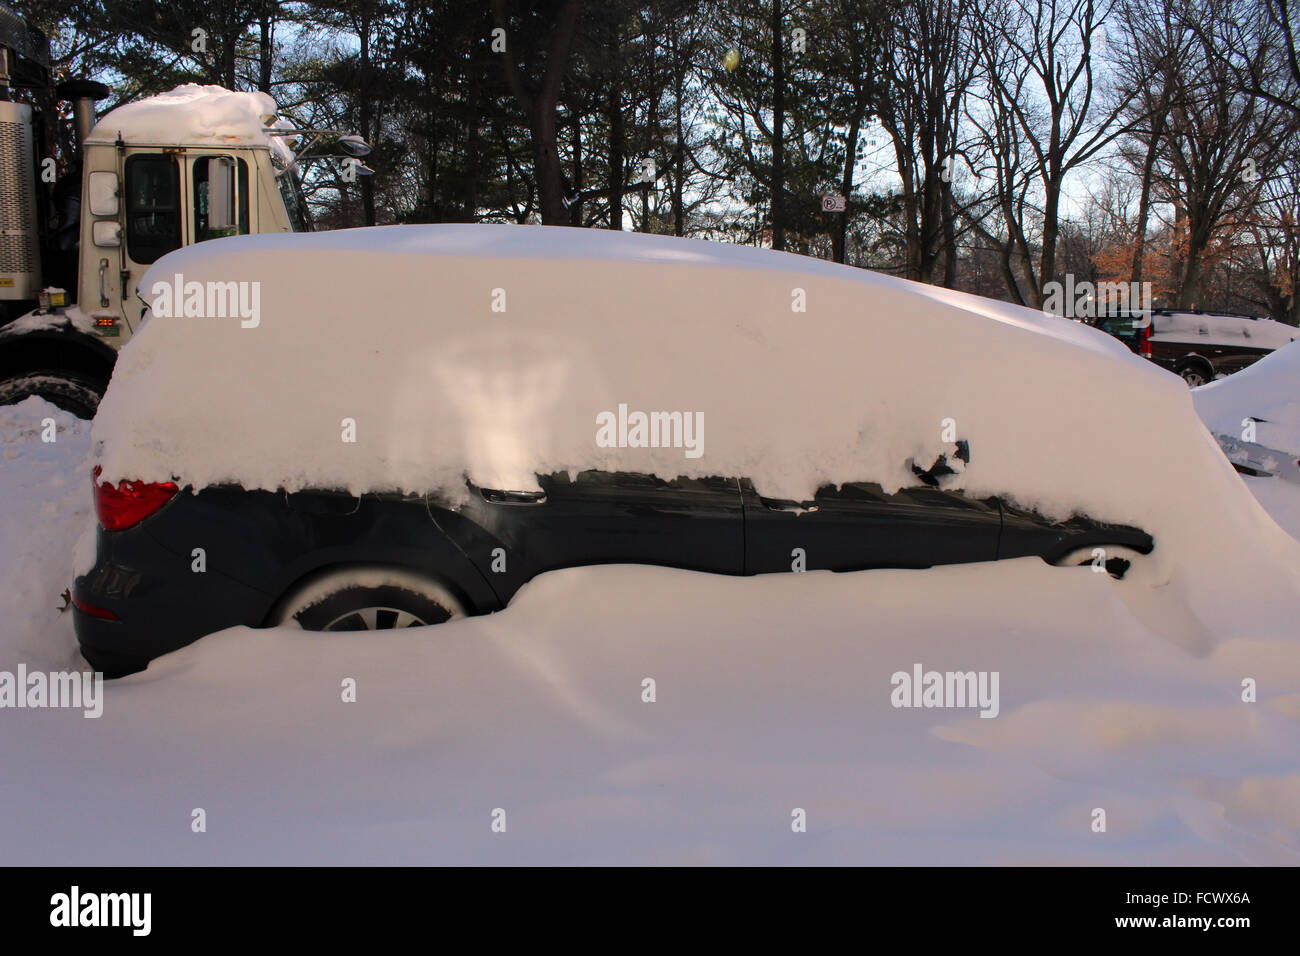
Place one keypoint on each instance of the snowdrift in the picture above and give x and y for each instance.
(774, 693)
(492, 351)
(1268, 391)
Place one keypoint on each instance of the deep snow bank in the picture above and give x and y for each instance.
(1268, 391)
(773, 693)
(46, 494)
(492, 350)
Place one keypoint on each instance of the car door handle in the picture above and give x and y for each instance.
(499, 497)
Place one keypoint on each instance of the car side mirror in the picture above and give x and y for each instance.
(933, 476)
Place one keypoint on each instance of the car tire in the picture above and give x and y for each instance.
(73, 392)
(1116, 559)
(367, 599)
(1196, 374)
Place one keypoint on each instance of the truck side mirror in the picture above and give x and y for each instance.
(102, 187)
(221, 193)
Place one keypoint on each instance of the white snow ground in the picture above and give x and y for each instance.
(773, 693)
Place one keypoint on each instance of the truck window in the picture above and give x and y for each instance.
(202, 168)
(153, 214)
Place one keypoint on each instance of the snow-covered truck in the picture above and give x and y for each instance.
(197, 163)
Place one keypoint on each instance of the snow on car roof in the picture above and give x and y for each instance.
(491, 242)
(506, 341)
(194, 115)
(411, 357)
(1211, 329)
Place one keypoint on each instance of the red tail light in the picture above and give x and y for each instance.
(130, 502)
(1144, 340)
(94, 610)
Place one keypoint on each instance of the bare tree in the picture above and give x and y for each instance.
(1222, 143)
(919, 102)
(1155, 49)
(1044, 115)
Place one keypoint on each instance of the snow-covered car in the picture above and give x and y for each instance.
(1255, 415)
(400, 425)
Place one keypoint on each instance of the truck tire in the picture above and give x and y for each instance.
(73, 392)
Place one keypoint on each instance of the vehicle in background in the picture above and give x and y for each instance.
(1255, 416)
(151, 176)
(1199, 346)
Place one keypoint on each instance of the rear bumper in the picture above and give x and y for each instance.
(101, 642)
(161, 604)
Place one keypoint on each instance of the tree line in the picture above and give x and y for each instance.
(995, 148)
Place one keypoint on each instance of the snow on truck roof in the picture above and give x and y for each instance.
(193, 115)
(412, 357)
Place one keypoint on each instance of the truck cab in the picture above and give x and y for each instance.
(142, 200)
(186, 166)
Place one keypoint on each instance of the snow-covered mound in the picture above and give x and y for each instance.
(193, 115)
(47, 504)
(492, 352)
(1268, 392)
(1230, 330)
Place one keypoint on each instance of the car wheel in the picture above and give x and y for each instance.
(367, 599)
(1114, 559)
(71, 391)
(1194, 376)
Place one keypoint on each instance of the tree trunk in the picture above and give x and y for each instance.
(840, 234)
(1144, 209)
(1144, 197)
(229, 43)
(265, 52)
(366, 111)
(550, 174)
(679, 150)
(778, 129)
(617, 154)
(472, 150)
(1051, 235)
(949, 215)
(575, 210)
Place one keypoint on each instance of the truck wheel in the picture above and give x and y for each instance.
(71, 391)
